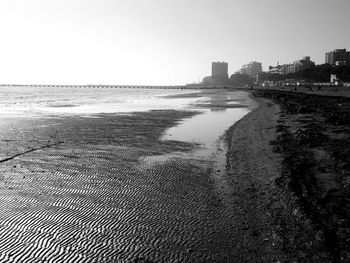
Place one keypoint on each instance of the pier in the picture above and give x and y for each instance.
(118, 86)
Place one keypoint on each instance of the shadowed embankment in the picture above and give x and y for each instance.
(313, 138)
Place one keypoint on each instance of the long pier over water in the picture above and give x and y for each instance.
(118, 86)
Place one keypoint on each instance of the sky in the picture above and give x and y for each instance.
(160, 42)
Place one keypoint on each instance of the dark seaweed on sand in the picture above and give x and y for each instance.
(311, 126)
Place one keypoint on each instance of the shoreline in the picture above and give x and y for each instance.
(107, 175)
(252, 170)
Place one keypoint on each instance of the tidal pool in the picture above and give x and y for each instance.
(216, 115)
(207, 130)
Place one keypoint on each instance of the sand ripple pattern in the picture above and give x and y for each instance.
(91, 200)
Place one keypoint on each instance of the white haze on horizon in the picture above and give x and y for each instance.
(160, 42)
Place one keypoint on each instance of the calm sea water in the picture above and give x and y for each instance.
(205, 129)
(39, 102)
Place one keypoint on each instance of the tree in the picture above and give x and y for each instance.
(345, 76)
(276, 77)
(325, 74)
(241, 79)
(263, 76)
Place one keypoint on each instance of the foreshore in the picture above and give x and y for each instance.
(98, 187)
(101, 188)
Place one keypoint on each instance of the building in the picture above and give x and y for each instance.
(253, 69)
(276, 70)
(338, 57)
(279, 69)
(219, 70)
(292, 68)
(219, 75)
(303, 63)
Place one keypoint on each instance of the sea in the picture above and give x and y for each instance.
(219, 109)
(31, 102)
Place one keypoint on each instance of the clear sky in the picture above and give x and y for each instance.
(160, 41)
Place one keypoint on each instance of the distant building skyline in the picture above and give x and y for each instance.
(220, 76)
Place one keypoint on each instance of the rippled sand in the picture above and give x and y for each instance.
(112, 187)
(87, 196)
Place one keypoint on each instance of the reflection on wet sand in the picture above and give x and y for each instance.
(207, 130)
(215, 117)
(219, 99)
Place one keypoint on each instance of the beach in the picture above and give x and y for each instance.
(109, 187)
(148, 186)
(175, 131)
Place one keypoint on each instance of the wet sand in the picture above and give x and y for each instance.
(255, 199)
(78, 189)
